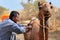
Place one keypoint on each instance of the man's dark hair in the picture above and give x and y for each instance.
(13, 14)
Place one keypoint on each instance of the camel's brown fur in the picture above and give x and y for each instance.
(37, 26)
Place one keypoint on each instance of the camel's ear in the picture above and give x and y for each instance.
(38, 3)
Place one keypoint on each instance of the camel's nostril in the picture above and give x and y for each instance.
(50, 3)
(51, 7)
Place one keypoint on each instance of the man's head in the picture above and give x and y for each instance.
(14, 16)
(4, 16)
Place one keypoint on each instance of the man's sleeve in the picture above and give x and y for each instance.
(18, 29)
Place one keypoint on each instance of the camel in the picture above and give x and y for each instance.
(45, 11)
(40, 27)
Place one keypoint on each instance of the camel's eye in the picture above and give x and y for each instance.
(40, 7)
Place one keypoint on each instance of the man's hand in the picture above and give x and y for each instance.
(28, 27)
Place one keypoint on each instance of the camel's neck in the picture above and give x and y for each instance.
(43, 19)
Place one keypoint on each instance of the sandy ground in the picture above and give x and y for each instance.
(54, 35)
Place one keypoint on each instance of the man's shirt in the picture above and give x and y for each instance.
(7, 27)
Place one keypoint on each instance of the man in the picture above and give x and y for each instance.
(10, 25)
(6, 16)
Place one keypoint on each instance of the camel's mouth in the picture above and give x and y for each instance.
(47, 14)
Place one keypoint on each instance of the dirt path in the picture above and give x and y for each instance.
(54, 35)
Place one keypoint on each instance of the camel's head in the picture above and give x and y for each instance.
(46, 8)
